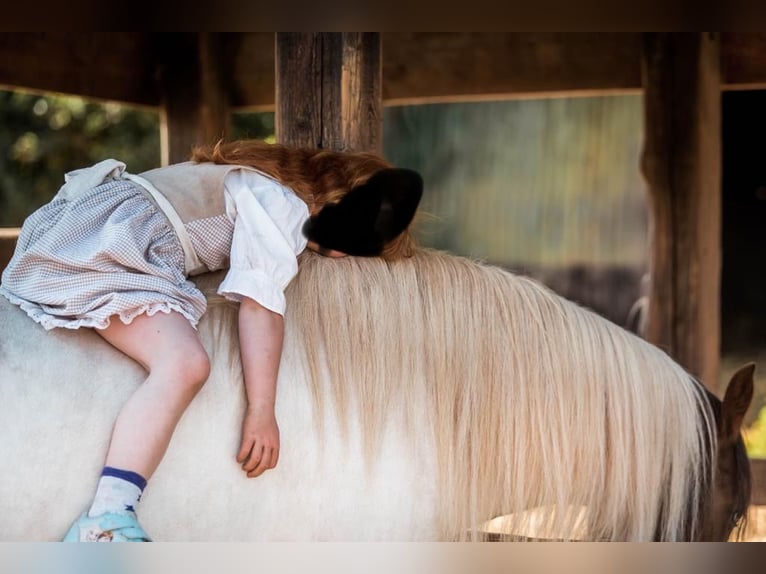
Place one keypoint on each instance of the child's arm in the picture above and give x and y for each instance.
(261, 332)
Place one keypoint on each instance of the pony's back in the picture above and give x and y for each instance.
(417, 399)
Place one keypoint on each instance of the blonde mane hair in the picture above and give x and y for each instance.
(318, 177)
(534, 401)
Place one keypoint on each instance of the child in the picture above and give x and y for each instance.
(113, 251)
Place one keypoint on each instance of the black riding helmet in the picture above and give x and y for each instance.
(368, 216)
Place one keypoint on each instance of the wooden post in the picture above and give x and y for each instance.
(328, 90)
(194, 92)
(681, 162)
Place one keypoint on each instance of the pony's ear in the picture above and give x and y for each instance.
(736, 401)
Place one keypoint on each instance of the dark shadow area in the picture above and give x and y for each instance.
(743, 278)
(743, 285)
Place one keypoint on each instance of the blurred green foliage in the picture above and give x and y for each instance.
(253, 125)
(44, 136)
(755, 436)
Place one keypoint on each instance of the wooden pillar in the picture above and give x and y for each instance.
(681, 163)
(193, 80)
(328, 90)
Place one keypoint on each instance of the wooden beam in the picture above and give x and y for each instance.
(104, 65)
(253, 69)
(328, 90)
(435, 67)
(681, 162)
(743, 60)
(416, 68)
(215, 91)
(298, 118)
(193, 79)
(432, 66)
(361, 104)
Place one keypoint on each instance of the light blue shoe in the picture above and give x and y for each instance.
(109, 527)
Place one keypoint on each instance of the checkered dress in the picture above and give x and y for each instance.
(108, 252)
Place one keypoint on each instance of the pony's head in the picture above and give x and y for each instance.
(731, 489)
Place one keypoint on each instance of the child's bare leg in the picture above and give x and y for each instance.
(168, 347)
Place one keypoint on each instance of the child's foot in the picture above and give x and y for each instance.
(108, 527)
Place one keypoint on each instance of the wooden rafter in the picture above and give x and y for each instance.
(416, 67)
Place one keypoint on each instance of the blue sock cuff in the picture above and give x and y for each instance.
(130, 476)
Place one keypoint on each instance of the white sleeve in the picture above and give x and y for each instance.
(268, 218)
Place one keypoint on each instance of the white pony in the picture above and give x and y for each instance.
(417, 400)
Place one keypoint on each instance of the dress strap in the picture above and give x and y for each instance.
(192, 264)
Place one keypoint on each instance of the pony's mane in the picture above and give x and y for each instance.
(517, 380)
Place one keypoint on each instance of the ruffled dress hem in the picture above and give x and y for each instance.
(49, 322)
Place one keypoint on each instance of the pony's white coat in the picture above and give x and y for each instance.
(416, 400)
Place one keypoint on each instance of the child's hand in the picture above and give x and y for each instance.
(260, 441)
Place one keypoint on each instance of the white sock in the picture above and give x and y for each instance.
(115, 494)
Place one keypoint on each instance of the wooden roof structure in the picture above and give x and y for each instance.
(328, 90)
